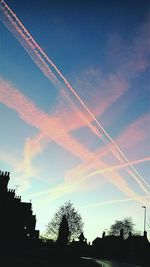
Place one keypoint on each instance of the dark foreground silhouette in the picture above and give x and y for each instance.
(20, 244)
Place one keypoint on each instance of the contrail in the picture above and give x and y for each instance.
(42, 60)
(13, 24)
(113, 202)
(34, 50)
(119, 166)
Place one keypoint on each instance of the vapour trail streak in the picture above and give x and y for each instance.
(117, 167)
(27, 111)
(14, 25)
(113, 202)
(34, 50)
(39, 57)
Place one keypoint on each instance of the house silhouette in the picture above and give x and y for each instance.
(17, 221)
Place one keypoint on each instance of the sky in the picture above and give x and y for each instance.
(75, 108)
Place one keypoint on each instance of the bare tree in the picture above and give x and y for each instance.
(74, 221)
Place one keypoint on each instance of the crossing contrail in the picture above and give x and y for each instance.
(119, 166)
(13, 24)
(10, 20)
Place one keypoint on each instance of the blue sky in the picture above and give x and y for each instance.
(58, 148)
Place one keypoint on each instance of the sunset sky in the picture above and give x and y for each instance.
(75, 107)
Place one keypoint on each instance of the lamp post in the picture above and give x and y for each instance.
(144, 207)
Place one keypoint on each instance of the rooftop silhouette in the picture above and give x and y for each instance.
(20, 237)
(17, 219)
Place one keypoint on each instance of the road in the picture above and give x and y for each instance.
(106, 263)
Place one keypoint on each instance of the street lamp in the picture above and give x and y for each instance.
(144, 207)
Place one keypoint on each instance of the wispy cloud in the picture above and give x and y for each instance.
(130, 58)
(57, 128)
(73, 185)
(119, 166)
(35, 51)
(136, 132)
(22, 175)
(33, 146)
(53, 129)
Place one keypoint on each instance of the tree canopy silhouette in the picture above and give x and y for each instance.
(126, 225)
(74, 220)
(63, 233)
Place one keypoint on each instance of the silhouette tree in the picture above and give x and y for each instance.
(74, 221)
(63, 233)
(126, 225)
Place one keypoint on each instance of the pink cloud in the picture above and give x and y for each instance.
(40, 58)
(53, 128)
(130, 59)
(135, 133)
